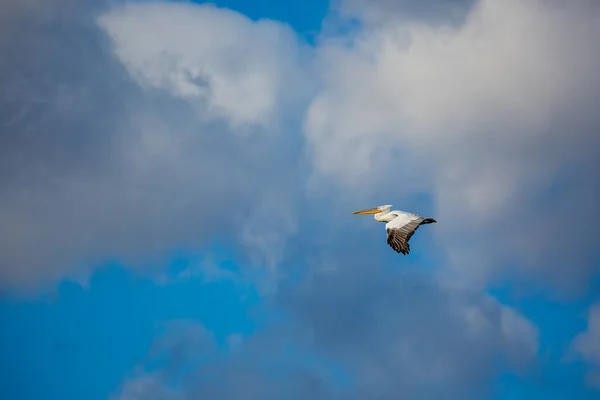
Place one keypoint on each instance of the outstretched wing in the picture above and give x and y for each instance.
(400, 230)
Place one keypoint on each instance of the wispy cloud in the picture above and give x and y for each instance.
(393, 333)
(587, 344)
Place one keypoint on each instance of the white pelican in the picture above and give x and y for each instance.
(400, 225)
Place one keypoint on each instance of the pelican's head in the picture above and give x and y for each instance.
(377, 210)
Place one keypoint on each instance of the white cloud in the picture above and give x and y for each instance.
(490, 115)
(588, 345)
(145, 387)
(266, 229)
(376, 12)
(121, 152)
(215, 57)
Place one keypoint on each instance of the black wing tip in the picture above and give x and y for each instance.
(429, 221)
(400, 250)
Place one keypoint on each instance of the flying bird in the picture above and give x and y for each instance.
(400, 225)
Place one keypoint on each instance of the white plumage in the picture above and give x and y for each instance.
(400, 225)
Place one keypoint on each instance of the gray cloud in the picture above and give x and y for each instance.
(391, 331)
(99, 165)
(400, 332)
(255, 369)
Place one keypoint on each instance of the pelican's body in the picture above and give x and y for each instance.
(400, 225)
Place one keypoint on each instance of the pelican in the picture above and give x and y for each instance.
(400, 225)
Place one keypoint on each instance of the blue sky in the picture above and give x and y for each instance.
(304, 16)
(178, 180)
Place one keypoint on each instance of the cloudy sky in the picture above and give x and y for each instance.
(177, 181)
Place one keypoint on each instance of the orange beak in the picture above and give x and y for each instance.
(369, 211)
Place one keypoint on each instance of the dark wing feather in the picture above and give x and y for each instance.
(398, 237)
